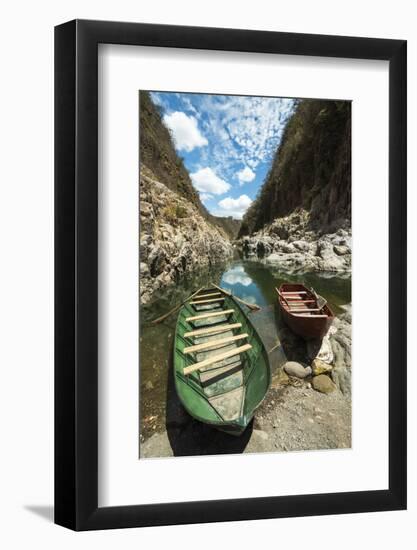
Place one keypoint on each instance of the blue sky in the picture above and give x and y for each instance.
(227, 143)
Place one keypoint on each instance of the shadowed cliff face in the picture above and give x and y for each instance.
(311, 170)
(157, 152)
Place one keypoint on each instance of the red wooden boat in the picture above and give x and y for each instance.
(305, 312)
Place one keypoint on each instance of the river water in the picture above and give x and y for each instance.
(252, 281)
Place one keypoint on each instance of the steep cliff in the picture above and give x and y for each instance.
(301, 217)
(310, 172)
(157, 152)
(175, 239)
(177, 234)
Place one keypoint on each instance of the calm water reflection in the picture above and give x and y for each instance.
(255, 282)
(252, 281)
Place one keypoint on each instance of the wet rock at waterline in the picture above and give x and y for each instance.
(292, 368)
(289, 243)
(323, 384)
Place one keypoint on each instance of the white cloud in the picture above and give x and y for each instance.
(184, 130)
(205, 196)
(237, 275)
(234, 207)
(245, 175)
(242, 129)
(206, 181)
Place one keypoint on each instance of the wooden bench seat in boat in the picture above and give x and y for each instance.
(212, 330)
(315, 316)
(209, 315)
(211, 295)
(214, 343)
(299, 301)
(202, 302)
(218, 392)
(304, 310)
(216, 358)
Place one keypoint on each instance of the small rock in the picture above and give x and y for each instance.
(145, 209)
(301, 245)
(310, 420)
(323, 384)
(320, 367)
(292, 368)
(341, 250)
(144, 269)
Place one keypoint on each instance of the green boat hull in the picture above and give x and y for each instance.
(224, 394)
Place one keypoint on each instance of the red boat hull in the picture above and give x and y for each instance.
(307, 319)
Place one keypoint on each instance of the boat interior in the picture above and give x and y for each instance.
(301, 302)
(216, 346)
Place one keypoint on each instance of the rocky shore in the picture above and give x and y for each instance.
(307, 407)
(175, 239)
(293, 245)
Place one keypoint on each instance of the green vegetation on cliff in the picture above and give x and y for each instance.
(311, 169)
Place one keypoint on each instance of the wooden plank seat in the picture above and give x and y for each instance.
(216, 358)
(304, 310)
(315, 316)
(216, 343)
(296, 301)
(209, 315)
(202, 302)
(212, 330)
(293, 293)
(211, 295)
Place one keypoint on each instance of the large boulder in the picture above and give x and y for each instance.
(341, 250)
(323, 384)
(292, 368)
(301, 245)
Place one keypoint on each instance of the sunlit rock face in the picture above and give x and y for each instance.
(175, 239)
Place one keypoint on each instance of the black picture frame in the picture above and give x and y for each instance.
(76, 272)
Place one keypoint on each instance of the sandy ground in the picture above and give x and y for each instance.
(291, 418)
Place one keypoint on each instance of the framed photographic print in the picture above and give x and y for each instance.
(230, 275)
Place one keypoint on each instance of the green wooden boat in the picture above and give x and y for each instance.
(221, 367)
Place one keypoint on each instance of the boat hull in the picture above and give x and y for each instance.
(306, 328)
(208, 397)
(304, 325)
